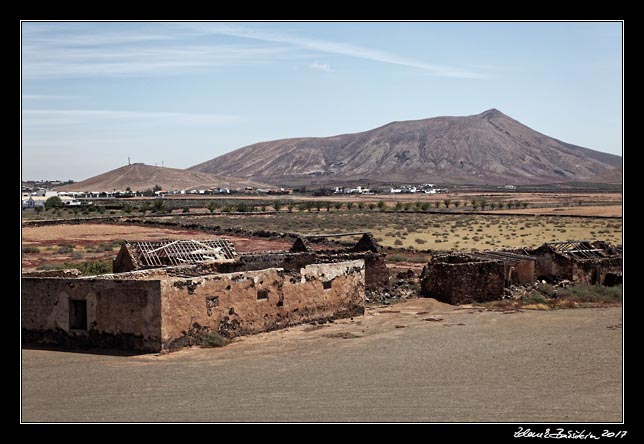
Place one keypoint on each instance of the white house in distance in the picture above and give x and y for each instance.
(38, 199)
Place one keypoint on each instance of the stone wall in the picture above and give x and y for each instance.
(254, 301)
(164, 309)
(300, 255)
(458, 279)
(376, 271)
(119, 313)
(552, 266)
(523, 272)
(595, 271)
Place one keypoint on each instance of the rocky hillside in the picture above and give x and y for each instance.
(487, 148)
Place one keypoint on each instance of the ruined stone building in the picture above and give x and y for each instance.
(460, 278)
(222, 257)
(216, 290)
(579, 261)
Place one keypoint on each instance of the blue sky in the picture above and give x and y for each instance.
(184, 92)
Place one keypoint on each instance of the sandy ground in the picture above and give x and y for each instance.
(591, 210)
(420, 360)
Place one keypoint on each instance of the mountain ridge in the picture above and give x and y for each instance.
(485, 148)
(140, 177)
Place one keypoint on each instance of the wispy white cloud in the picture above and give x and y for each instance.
(321, 66)
(100, 50)
(341, 48)
(44, 117)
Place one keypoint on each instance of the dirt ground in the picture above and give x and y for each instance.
(419, 360)
(86, 237)
(534, 198)
(591, 210)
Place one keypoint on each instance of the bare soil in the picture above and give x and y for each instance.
(467, 364)
(48, 239)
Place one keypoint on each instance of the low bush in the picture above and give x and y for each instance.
(65, 249)
(534, 297)
(31, 250)
(89, 268)
(591, 293)
(212, 340)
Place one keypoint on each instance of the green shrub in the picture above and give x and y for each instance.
(398, 242)
(65, 249)
(534, 297)
(591, 293)
(212, 340)
(117, 243)
(77, 255)
(53, 202)
(397, 258)
(212, 206)
(31, 250)
(89, 268)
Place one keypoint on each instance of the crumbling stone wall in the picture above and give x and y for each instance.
(125, 260)
(595, 271)
(523, 272)
(552, 266)
(300, 255)
(457, 279)
(119, 313)
(250, 302)
(164, 309)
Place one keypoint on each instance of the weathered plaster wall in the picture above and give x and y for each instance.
(120, 314)
(254, 301)
(553, 266)
(463, 281)
(522, 272)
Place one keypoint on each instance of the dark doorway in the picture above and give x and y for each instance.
(77, 315)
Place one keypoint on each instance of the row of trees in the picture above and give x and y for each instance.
(158, 206)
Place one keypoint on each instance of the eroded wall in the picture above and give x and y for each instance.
(463, 283)
(595, 271)
(520, 272)
(119, 313)
(236, 304)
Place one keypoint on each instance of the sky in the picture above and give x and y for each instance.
(180, 93)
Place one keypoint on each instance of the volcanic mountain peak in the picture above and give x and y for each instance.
(486, 148)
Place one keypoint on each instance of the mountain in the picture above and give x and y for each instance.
(487, 148)
(140, 177)
(613, 176)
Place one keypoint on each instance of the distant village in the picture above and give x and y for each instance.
(36, 193)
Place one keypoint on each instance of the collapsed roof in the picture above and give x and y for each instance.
(176, 252)
(581, 249)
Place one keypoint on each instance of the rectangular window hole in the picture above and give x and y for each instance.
(262, 294)
(327, 284)
(77, 315)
